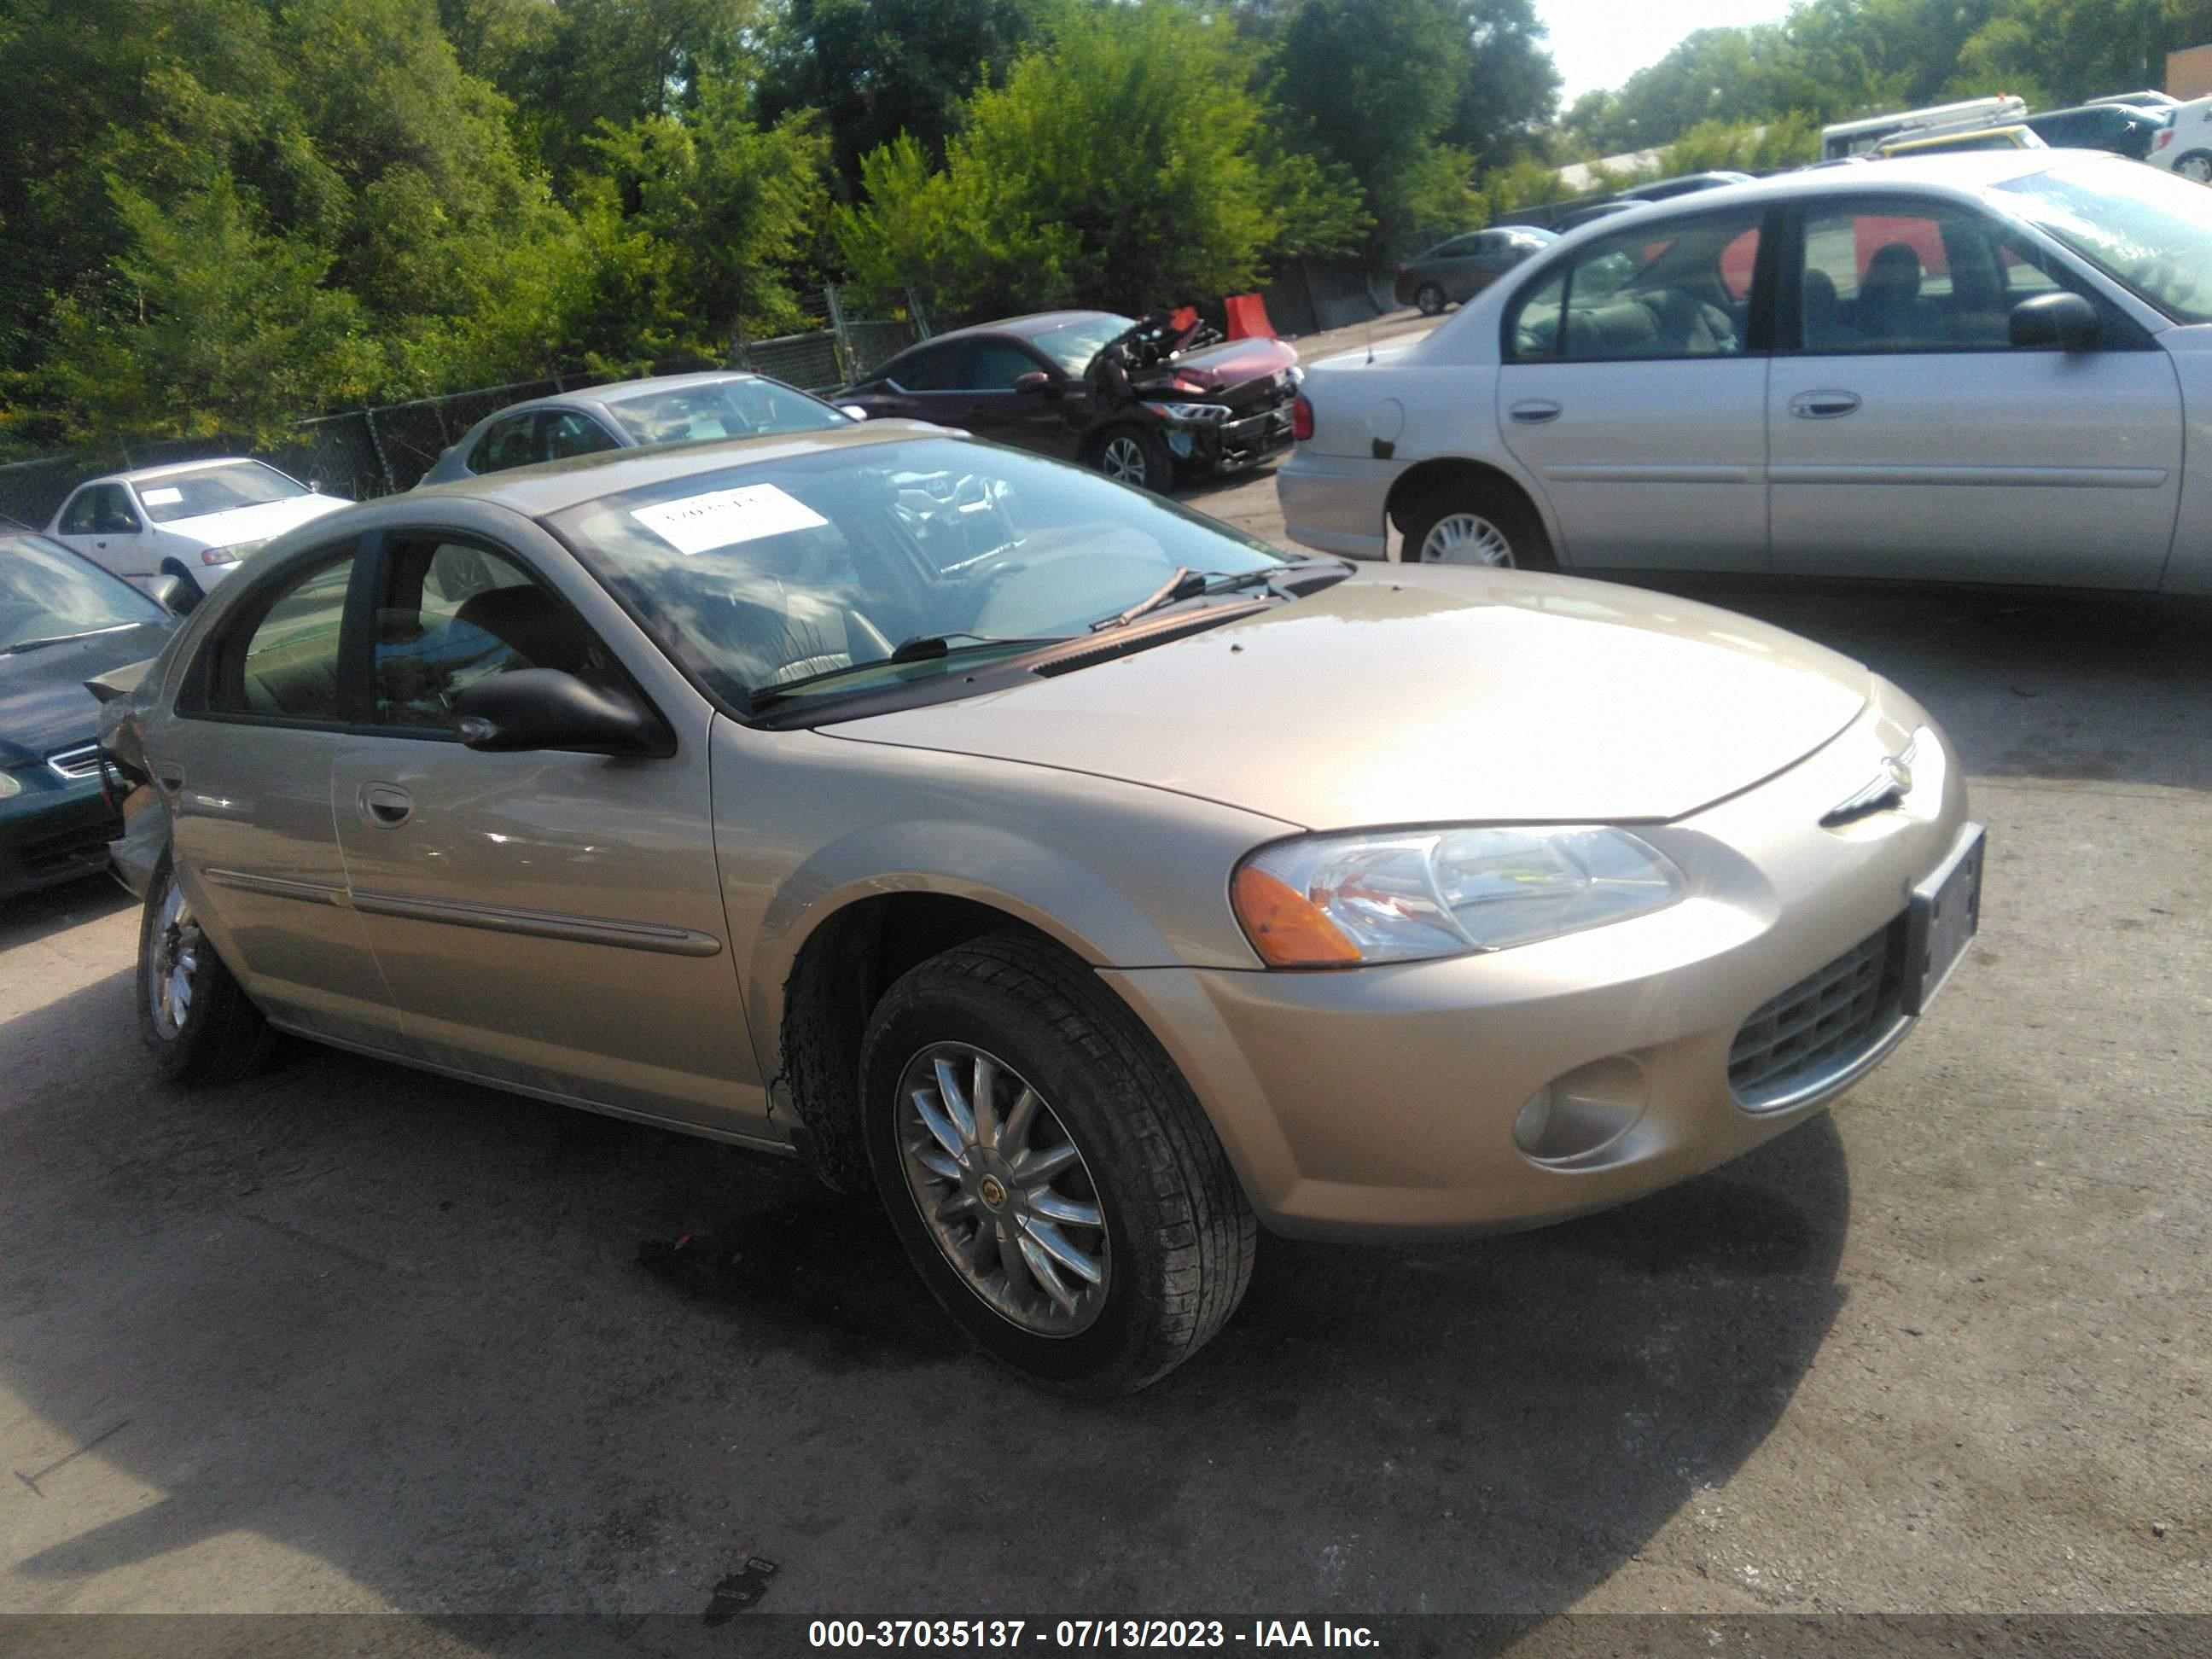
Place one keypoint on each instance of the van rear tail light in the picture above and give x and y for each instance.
(1301, 418)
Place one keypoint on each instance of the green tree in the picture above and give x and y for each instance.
(1510, 87)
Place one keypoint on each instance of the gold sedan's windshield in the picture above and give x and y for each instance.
(810, 574)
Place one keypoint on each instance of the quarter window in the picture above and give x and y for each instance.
(507, 444)
(281, 661)
(1680, 290)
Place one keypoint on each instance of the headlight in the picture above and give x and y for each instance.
(1191, 413)
(232, 554)
(1335, 901)
(10, 786)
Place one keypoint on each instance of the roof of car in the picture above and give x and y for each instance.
(622, 392)
(1027, 327)
(555, 486)
(139, 474)
(1965, 171)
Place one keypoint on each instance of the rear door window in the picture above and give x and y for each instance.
(1678, 289)
(279, 661)
(508, 442)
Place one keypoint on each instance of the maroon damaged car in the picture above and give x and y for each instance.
(1145, 402)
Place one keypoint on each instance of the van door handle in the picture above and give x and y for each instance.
(385, 804)
(1534, 411)
(1823, 406)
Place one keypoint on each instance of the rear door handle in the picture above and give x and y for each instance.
(1534, 411)
(385, 804)
(1823, 406)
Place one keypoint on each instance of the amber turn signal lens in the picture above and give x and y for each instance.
(1286, 928)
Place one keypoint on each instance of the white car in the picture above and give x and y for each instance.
(2185, 146)
(1972, 367)
(194, 520)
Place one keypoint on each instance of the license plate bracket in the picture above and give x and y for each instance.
(1946, 913)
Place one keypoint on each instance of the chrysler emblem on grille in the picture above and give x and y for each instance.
(1888, 788)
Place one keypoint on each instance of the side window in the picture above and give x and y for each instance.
(935, 370)
(567, 432)
(280, 656)
(507, 444)
(452, 614)
(994, 366)
(1676, 290)
(1882, 278)
(77, 519)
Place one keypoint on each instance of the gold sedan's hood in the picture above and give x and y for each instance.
(1423, 694)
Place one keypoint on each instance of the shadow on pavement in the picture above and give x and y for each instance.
(34, 916)
(399, 1324)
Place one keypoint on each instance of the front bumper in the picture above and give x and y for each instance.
(51, 833)
(1334, 502)
(1381, 1101)
(1231, 445)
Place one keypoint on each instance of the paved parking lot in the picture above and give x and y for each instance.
(347, 1337)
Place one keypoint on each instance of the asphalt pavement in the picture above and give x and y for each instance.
(348, 1337)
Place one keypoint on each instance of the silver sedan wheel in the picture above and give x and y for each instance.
(1123, 460)
(1003, 1189)
(1467, 538)
(173, 966)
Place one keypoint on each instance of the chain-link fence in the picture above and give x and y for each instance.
(379, 452)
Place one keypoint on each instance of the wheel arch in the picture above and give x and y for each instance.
(1421, 478)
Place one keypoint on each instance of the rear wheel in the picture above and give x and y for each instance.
(1463, 524)
(1132, 455)
(1429, 299)
(193, 1015)
(1051, 1176)
(2195, 167)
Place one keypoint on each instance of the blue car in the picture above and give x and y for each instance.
(62, 621)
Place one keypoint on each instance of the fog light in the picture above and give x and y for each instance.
(1574, 1117)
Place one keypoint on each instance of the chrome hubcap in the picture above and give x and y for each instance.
(175, 963)
(1002, 1189)
(1467, 538)
(1124, 460)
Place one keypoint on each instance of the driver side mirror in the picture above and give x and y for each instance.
(2064, 320)
(1034, 381)
(171, 595)
(547, 708)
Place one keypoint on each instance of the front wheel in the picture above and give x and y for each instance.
(1430, 300)
(1134, 456)
(1465, 526)
(193, 1015)
(1051, 1176)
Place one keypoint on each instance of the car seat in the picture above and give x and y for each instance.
(1821, 315)
(1888, 306)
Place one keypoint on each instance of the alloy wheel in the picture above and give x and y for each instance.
(1467, 538)
(1123, 460)
(1002, 1189)
(172, 967)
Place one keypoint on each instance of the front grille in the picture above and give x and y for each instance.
(1820, 1026)
(76, 764)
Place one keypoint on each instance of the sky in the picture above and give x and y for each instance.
(1600, 43)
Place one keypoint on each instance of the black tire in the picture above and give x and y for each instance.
(2195, 167)
(1136, 456)
(221, 1037)
(1527, 546)
(1429, 300)
(1179, 1236)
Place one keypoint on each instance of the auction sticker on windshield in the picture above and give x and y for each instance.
(161, 497)
(723, 518)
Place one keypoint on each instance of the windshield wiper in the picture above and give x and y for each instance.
(62, 638)
(1189, 584)
(921, 647)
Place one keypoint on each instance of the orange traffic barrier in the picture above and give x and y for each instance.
(1248, 318)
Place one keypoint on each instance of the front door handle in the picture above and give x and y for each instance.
(385, 804)
(1823, 406)
(1534, 411)
(168, 779)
